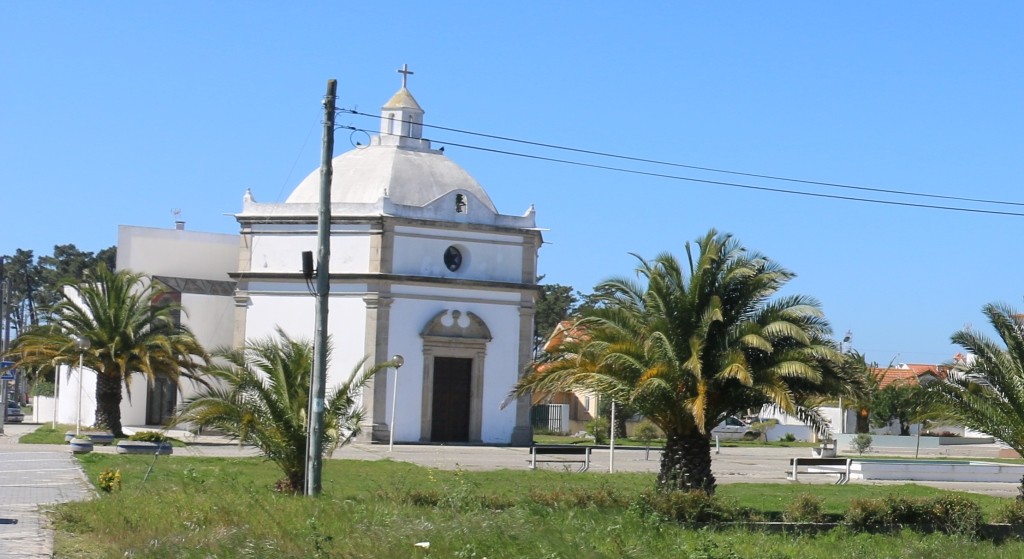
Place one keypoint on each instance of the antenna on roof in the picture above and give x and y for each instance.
(178, 223)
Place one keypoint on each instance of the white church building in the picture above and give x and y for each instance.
(422, 265)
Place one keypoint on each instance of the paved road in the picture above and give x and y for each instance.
(729, 465)
(32, 476)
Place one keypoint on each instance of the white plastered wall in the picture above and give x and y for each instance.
(408, 318)
(488, 257)
(282, 253)
(296, 315)
(177, 253)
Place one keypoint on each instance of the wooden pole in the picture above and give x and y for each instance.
(318, 382)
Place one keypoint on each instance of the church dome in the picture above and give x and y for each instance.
(410, 176)
(398, 165)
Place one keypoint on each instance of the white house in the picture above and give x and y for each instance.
(195, 269)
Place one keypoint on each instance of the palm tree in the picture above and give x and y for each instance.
(262, 400)
(986, 391)
(130, 326)
(687, 348)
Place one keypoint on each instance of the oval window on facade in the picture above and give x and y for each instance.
(452, 258)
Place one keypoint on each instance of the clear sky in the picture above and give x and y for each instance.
(119, 112)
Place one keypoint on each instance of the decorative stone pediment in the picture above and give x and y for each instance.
(456, 324)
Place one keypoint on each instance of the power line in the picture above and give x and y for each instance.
(710, 169)
(713, 182)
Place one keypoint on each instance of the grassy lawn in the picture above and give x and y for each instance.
(215, 507)
(46, 434)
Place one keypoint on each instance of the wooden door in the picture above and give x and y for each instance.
(450, 410)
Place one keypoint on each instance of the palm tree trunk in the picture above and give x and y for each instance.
(686, 464)
(108, 403)
(620, 427)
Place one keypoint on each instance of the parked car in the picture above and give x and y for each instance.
(734, 429)
(13, 413)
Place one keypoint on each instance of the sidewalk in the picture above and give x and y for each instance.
(32, 476)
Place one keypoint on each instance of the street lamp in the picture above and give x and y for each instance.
(83, 345)
(56, 393)
(398, 361)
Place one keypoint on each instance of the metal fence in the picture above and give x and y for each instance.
(550, 417)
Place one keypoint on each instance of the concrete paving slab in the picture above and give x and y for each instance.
(31, 477)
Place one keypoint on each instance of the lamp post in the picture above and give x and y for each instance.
(56, 394)
(611, 448)
(398, 360)
(83, 345)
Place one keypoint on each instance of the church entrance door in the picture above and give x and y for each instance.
(451, 399)
(163, 397)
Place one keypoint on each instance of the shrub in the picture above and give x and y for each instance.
(788, 438)
(691, 506)
(1011, 513)
(762, 427)
(956, 514)
(861, 443)
(149, 437)
(804, 508)
(599, 430)
(42, 388)
(645, 432)
(902, 511)
(952, 514)
(866, 514)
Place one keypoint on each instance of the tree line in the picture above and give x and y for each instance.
(35, 282)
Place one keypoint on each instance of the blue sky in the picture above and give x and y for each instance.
(119, 112)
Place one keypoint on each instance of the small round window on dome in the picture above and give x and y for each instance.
(452, 258)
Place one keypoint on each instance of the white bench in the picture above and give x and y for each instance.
(582, 454)
(832, 466)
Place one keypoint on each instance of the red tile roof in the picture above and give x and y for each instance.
(911, 373)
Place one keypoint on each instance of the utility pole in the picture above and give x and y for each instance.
(4, 294)
(318, 382)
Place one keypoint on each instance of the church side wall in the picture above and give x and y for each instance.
(350, 253)
(296, 314)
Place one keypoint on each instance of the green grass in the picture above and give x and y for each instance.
(46, 434)
(215, 507)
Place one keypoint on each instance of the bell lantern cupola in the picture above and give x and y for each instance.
(401, 121)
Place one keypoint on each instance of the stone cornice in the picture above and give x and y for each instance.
(391, 278)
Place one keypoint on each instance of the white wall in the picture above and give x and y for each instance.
(296, 315)
(408, 318)
(283, 253)
(178, 253)
(133, 408)
(485, 256)
(42, 409)
(71, 389)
